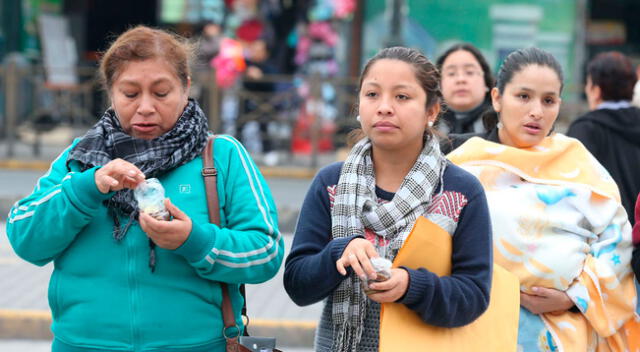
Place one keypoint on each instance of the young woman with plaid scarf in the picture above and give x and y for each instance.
(122, 280)
(392, 176)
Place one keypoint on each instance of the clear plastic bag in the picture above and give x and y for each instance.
(383, 269)
(150, 197)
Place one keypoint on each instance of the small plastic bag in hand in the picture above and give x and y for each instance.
(383, 269)
(150, 197)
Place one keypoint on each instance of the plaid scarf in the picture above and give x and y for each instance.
(355, 208)
(107, 141)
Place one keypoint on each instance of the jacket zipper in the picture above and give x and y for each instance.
(133, 290)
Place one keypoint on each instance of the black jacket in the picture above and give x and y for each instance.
(613, 137)
(449, 123)
(454, 140)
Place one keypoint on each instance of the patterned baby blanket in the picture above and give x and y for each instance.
(558, 223)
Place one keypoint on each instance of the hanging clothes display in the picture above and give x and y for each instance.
(316, 57)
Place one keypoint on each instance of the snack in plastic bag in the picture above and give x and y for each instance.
(383, 268)
(150, 197)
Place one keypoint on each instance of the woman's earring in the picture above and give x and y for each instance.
(358, 118)
(430, 123)
(499, 125)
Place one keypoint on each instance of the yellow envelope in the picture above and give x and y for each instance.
(401, 329)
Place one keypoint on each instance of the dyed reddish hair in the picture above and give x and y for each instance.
(143, 43)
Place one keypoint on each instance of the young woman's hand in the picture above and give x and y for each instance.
(116, 175)
(357, 255)
(546, 300)
(392, 289)
(167, 234)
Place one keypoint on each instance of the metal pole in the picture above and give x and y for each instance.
(214, 101)
(355, 51)
(11, 23)
(11, 103)
(396, 23)
(313, 111)
(579, 48)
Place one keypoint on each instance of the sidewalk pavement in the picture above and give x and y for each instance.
(24, 313)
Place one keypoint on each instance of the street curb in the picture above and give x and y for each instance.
(25, 324)
(35, 165)
(290, 333)
(267, 171)
(288, 172)
(36, 325)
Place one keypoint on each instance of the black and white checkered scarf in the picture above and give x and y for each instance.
(107, 141)
(355, 208)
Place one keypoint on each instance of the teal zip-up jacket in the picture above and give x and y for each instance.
(102, 294)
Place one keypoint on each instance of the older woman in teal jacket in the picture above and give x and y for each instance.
(123, 280)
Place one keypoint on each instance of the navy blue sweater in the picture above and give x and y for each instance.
(449, 301)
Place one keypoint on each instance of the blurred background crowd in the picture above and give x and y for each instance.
(279, 74)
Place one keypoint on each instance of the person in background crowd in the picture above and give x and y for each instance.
(368, 204)
(611, 130)
(207, 47)
(466, 81)
(208, 43)
(635, 261)
(123, 280)
(556, 215)
(259, 92)
(636, 90)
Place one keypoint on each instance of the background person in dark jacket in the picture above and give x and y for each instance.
(611, 130)
(635, 259)
(466, 81)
